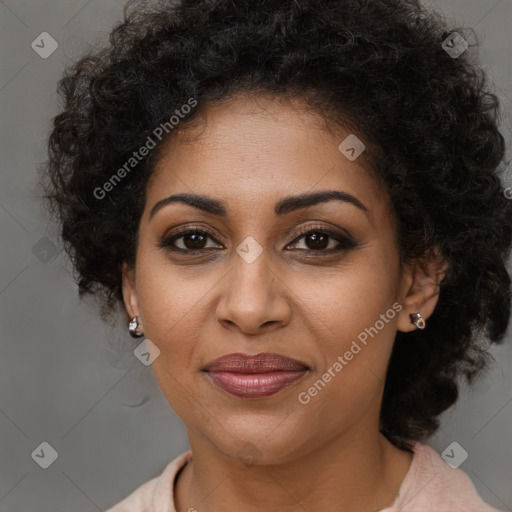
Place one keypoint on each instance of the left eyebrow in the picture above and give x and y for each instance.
(292, 203)
(282, 207)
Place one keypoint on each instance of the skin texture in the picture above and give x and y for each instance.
(327, 455)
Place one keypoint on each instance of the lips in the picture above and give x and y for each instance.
(254, 376)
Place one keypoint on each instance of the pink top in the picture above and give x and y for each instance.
(430, 485)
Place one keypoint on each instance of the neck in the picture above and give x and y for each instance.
(363, 475)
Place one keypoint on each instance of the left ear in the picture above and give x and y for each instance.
(420, 288)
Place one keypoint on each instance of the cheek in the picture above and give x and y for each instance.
(348, 383)
(353, 297)
(172, 301)
(173, 307)
(357, 312)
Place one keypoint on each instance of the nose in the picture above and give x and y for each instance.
(253, 297)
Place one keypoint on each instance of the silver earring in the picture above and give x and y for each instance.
(418, 320)
(135, 327)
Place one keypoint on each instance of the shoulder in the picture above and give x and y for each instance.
(431, 485)
(155, 494)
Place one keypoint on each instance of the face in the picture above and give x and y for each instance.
(316, 282)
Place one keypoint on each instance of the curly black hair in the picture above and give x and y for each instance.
(382, 67)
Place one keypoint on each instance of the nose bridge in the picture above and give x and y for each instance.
(252, 296)
(251, 272)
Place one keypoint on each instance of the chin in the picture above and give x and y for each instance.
(258, 449)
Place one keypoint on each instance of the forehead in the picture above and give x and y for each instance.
(259, 149)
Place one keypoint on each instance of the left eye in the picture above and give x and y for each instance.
(318, 240)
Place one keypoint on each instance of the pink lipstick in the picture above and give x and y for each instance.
(254, 376)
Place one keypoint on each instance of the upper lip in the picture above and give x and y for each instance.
(257, 363)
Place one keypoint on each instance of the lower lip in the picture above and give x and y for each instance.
(255, 385)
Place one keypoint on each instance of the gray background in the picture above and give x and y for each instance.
(63, 376)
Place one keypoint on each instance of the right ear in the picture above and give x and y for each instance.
(131, 303)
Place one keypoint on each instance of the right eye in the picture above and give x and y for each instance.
(192, 240)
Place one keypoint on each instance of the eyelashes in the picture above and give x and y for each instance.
(196, 241)
(344, 242)
(168, 242)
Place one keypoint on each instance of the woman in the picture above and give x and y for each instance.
(297, 203)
